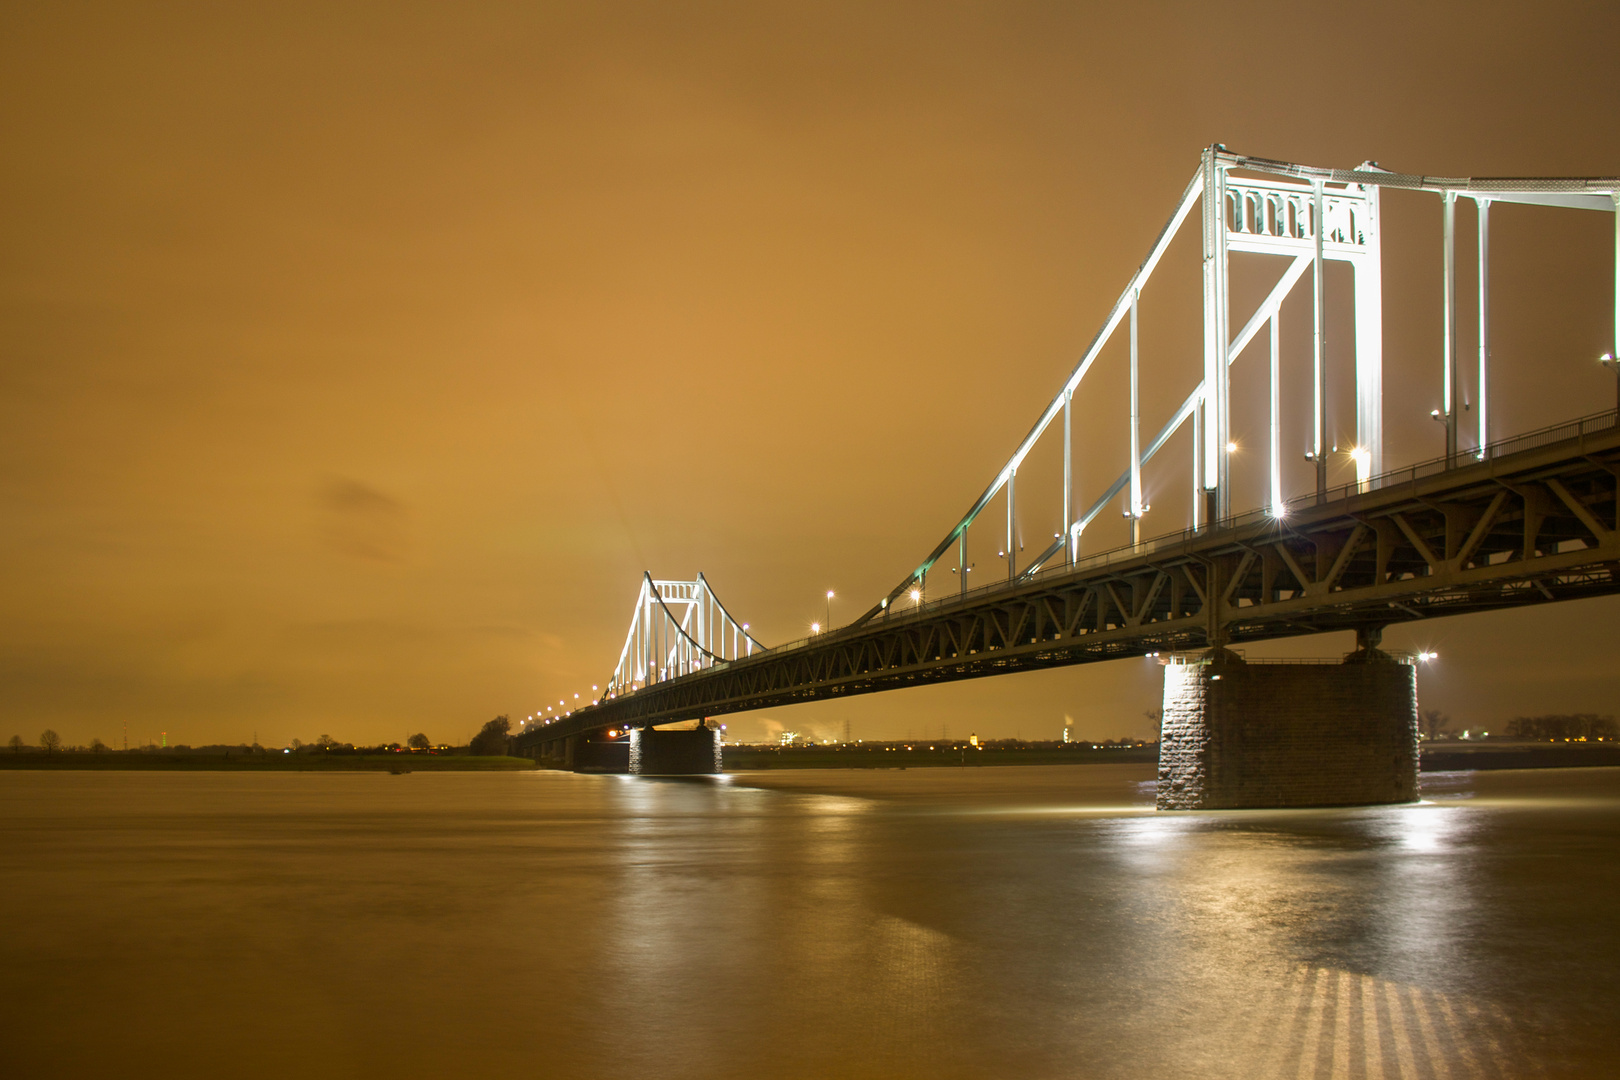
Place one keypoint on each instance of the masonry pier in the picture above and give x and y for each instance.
(1242, 734)
(675, 753)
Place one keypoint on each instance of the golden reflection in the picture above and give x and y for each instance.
(1330, 1024)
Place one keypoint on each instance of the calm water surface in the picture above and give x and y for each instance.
(1017, 922)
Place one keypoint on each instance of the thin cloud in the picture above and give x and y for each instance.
(361, 522)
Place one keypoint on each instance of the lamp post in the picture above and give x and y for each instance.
(1608, 361)
(1440, 418)
(829, 608)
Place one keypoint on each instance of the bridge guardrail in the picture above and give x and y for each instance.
(1556, 433)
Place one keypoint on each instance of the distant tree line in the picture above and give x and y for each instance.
(1556, 726)
(492, 740)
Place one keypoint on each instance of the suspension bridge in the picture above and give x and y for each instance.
(1494, 522)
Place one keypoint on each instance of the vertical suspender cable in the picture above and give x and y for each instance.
(1068, 472)
(1198, 481)
(1275, 449)
(1319, 346)
(1012, 502)
(1484, 323)
(1449, 326)
(1136, 433)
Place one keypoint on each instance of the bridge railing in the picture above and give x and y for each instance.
(1556, 433)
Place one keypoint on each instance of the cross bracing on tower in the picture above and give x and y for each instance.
(676, 628)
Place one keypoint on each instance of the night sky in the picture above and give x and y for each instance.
(356, 361)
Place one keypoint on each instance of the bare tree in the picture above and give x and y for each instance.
(16, 744)
(325, 742)
(418, 742)
(1434, 723)
(97, 746)
(50, 741)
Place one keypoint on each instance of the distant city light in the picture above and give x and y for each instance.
(1231, 448)
(1425, 657)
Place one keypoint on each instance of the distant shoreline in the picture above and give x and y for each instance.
(272, 762)
(1445, 757)
(1458, 757)
(916, 756)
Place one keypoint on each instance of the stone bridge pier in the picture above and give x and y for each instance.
(1257, 734)
(644, 751)
(675, 753)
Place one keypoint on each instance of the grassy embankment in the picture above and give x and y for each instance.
(272, 762)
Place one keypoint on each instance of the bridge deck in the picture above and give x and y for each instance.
(1535, 521)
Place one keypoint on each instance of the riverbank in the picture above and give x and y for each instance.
(1444, 757)
(915, 756)
(158, 762)
(1441, 757)
(1457, 756)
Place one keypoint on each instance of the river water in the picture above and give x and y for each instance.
(1011, 922)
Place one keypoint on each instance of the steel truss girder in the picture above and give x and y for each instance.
(1536, 525)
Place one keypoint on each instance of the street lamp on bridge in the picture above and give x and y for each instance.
(1608, 361)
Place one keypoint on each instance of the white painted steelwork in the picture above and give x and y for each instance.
(1314, 215)
(678, 627)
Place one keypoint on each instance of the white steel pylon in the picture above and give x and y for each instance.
(678, 627)
(1311, 215)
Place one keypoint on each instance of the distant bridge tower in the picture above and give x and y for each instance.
(677, 628)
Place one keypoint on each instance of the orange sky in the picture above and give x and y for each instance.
(354, 362)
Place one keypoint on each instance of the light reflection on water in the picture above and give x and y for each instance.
(1014, 922)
